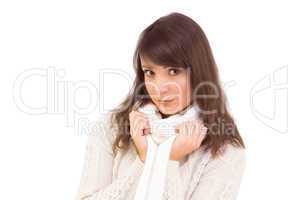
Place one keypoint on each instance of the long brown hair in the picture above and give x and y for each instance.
(178, 41)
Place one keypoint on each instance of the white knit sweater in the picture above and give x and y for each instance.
(199, 176)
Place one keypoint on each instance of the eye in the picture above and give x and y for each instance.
(174, 71)
(147, 72)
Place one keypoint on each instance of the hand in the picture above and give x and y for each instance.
(189, 138)
(139, 128)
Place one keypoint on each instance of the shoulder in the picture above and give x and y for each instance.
(109, 126)
(231, 159)
(232, 153)
(101, 130)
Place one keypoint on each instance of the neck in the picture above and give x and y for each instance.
(163, 116)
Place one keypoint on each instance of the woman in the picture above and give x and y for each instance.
(174, 68)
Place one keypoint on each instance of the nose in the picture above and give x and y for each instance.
(163, 88)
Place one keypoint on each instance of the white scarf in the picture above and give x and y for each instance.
(152, 180)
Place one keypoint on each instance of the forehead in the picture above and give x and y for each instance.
(147, 63)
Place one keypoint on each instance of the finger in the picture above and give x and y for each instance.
(200, 121)
(144, 127)
(202, 135)
(178, 128)
(136, 123)
(194, 131)
(136, 113)
(198, 130)
(204, 131)
(200, 127)
(140, 114)
(194, 127)
(190, 129)
(197, 135)
(136, 126)
(147, 131)
(187, 129)
(199, 142)
(139, 119)
(183, 129)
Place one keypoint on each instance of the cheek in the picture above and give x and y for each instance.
(184, 86)
(150, 88)
(185, 91)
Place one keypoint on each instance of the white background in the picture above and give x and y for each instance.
(256, 46)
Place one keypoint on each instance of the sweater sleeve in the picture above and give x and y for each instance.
(220, 179)
(96, 180)
(222, 176)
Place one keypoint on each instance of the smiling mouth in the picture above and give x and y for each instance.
(165, 101)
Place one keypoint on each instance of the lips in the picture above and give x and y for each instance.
(165, 101)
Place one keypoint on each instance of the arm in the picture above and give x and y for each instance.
(220, 179)
(96, 180)
(222, 176)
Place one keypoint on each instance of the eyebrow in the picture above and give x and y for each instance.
(149, 67)
(167, 67)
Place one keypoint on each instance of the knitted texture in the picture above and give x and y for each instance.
(108, 177)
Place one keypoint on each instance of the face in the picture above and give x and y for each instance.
(168, 87)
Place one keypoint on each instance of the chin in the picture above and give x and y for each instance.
(168, 110)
